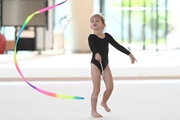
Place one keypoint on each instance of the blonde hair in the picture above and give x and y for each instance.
(98, 15)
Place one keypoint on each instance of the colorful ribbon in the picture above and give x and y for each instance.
(16, 62)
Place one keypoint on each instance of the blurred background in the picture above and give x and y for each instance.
(137, 24)
(148, 28)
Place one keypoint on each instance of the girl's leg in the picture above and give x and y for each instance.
(109, 87)
(96, 79)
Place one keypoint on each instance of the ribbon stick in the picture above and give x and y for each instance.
(16, 62)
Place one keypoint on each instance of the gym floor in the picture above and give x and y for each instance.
(147, 90)
(131, 100)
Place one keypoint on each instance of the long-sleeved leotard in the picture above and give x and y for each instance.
(98, 45)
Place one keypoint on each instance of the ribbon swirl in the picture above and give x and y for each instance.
(16, 62)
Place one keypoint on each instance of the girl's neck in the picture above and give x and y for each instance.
(98, 33)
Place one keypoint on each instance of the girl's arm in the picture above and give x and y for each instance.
(92, 44)
(118, 46)
(122, 49)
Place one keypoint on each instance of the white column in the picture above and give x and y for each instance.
(49, 32)
(79, 24)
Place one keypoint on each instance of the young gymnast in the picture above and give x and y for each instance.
(98, 43)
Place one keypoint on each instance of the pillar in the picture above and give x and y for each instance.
(79, 24)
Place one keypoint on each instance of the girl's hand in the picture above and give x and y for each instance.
(98, 57)
(133, 59)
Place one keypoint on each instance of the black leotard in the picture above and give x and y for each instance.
(100, 45)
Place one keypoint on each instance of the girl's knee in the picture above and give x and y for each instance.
(96, 90)
(110, 88)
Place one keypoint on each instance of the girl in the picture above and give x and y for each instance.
(98, 43)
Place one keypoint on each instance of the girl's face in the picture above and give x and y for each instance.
(96, 23)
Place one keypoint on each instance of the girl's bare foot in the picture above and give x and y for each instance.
(96, 114)
(105, 107)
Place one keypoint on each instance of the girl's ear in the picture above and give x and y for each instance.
(104, 26)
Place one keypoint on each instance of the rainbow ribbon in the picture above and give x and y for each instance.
(16, 62)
